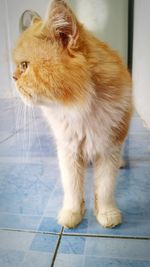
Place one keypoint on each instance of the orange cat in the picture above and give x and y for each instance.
(84, 90)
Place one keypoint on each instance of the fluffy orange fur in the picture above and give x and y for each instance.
(68, 66)
(62, 74)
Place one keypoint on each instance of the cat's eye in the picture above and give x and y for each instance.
(24, 66)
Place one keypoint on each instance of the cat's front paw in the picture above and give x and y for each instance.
(109, 218)
(69, 218)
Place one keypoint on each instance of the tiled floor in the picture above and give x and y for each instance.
(31, 196)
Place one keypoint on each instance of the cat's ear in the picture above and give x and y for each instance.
(27, 18)
(62, 23)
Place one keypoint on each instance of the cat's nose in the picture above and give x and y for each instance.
(15, 78)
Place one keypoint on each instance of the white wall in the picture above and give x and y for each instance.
(5, 80)
(141, 59)
(108, 19)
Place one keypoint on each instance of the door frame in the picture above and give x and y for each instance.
(130, 33)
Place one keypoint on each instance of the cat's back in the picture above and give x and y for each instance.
(106, 66)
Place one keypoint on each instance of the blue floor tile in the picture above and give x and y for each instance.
(21, 222)
(137, 126)
(38, 259)
(11, 258)
(55, 201)
(49, 224)
(137, 147)
(13, 112)
(72, 245)
(44, 243)
(25, 191)
(107, 262)
(18, 241)
(70, 260)
(26, 249)
(25, 144)
(99, 252)
(12, 118)
(121, 248)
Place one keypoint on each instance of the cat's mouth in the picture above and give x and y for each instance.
(31, 99)
(27, 97)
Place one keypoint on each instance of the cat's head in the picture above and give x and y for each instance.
(50, 58)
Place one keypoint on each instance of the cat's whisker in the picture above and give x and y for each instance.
(19, 116)
(26, 131)
(36, 130)
(29, 129)
(24, 134)
(17, 112)
(17, 109)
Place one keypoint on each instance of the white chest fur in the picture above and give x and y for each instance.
(87, 129)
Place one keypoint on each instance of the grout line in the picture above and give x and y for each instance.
(30, 231)
(57, 247)
(12, 134)
(31, 159)
(62, 233)
(4, 140)
(107, 236)
(9, 137)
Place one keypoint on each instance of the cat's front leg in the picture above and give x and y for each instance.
(106, 211)
(72, 173)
